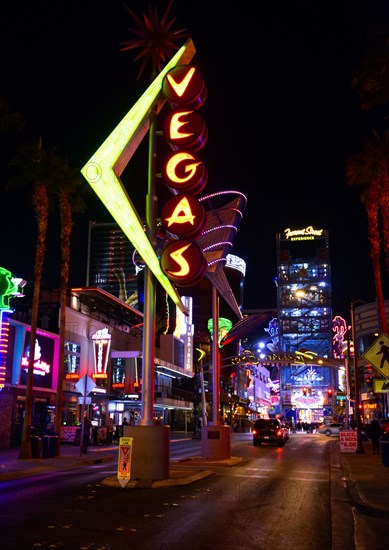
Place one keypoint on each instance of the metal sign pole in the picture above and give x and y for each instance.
(82, 414)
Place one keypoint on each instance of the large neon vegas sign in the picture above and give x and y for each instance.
(104, 168)
(184, 173)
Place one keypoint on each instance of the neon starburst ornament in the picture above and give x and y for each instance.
(154, 38)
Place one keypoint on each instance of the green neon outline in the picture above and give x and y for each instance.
(103, 169)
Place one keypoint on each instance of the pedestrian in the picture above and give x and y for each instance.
(374, 434)
(87, 424)
(110, 431)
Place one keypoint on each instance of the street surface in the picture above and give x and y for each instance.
(277, 499)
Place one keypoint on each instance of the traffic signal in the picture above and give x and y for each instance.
(305, 390)
(330, 392)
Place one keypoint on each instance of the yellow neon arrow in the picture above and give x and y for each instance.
(103, 169)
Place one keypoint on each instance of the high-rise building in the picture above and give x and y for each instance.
(304, 291)
(111, 264)
(305, 324)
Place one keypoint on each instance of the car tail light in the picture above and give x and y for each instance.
(254, 432)
(279, 433)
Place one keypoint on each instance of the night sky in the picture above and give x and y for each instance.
(281, 114)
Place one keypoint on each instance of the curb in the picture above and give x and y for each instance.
(357, 502)
(232, 461)
(157, 484)
(19, 474)
(362, 506)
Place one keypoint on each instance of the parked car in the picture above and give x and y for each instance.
(330, 429)
(269, 430)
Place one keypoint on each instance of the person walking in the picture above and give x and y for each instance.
(87, 424)
(375, 434)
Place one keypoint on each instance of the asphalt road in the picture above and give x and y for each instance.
(279, 498)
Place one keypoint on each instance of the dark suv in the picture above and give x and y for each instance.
(269, 430)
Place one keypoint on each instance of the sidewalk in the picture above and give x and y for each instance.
(367, 479)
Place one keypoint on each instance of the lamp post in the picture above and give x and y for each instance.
(357, 401)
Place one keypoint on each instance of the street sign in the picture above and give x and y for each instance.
(348, 441)
(378, 354)
(380, 386)
(85, 400)
(85, 385)
(124, 460)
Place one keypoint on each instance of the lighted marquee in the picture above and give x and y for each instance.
(182, 260)
(339, 340)
(185, 129)
(4, 336)
(307, 401)
(184, 215)
(306, 234)
(184, 86)
(43, 360)
(9, 287)
(183, 171)
(101, 347)
(225, 325)
(184, 330)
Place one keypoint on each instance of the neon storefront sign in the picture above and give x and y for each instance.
(41, 367)
(306, 234)
(9, 287)
(101, 347)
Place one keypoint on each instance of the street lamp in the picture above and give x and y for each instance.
(357, 401)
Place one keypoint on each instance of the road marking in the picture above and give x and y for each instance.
(258, 476)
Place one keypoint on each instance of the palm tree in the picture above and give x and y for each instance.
(70, 200)
(35, 167)
(369, 169)
(371, 82)
(371, 78)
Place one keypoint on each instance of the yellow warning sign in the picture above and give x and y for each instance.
(380, 386)
(124, 460)
(378, 355)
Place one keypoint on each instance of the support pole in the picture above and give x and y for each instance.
(148, 344)
(215, 359)
(360, 448)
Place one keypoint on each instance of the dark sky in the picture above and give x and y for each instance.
(281, 115)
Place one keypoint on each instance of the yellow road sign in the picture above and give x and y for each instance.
(380, 386)
(378, 354)
(124, 460)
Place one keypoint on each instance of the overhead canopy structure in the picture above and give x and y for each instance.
(247, 325)
(216, 240)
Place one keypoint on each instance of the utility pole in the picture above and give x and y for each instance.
(360, 448)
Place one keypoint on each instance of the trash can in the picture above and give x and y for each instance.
(49, 446)
(36, 447)
(385, 451)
